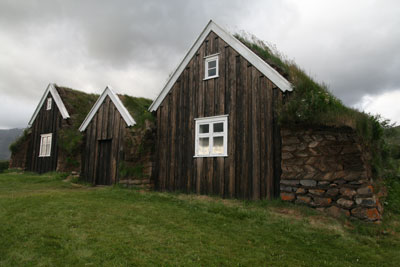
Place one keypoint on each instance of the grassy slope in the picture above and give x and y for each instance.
(45, 221)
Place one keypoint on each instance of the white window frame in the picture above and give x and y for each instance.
(209, 59)
(49, 103)
(45, 145)
(211, 121)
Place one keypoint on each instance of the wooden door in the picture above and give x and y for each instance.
(103, 173)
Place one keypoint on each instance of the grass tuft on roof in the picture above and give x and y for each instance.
(77, 103)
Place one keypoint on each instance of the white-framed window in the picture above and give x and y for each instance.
(211, 67)
(45, 145)
(49, 100)
(211, 136)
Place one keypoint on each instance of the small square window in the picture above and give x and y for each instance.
(211, 67)
(211, 136)
(49, 100)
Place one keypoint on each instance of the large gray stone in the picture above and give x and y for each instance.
(309, 183)
(285, 188)
(287, 155)
(290, 182)
(289, 148)
(366, 190)
(368, 202)
(313, 144)
(345, 202)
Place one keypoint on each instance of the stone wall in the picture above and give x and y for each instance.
(327, 169)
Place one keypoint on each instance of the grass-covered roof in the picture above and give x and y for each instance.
(312, 104)
(138, 108)
(78, 103)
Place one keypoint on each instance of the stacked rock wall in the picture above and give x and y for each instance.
(327, 169)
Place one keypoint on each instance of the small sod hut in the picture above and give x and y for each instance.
(217, 121)
(52, 141)
(236, 119)
(118, 141)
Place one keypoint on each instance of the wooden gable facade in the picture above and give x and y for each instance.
(105, 128)
(49, 142)
(45, 121)
(244, 92)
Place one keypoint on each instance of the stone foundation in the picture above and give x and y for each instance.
(326, 169)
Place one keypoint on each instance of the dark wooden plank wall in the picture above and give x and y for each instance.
(252, 168)
(107, 124)
(47, 121)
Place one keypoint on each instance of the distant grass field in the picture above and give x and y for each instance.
(45, 221)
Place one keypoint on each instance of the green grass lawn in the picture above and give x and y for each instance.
(48, 222)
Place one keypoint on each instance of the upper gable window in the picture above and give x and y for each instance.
(211, 67)
(49, 100)
(211, 136)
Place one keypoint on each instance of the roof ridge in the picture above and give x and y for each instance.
(108, 91)
(51, 88)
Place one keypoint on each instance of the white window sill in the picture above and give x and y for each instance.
(44, 156)
(210, 156)
(209, 78)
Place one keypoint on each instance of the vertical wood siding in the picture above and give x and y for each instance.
(252, 168)
(47, 121)
(106, 127)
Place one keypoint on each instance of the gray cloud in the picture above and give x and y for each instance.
(134, 45)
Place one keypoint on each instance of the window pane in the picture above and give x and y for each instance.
(43, 146)
(218, 146)
(204, 128)
(218, 127)
(204, 148)
(49, 103)
(212, 64)
(212, 72)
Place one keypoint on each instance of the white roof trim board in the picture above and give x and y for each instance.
(60, 104)
(118, 104)
(249, 55)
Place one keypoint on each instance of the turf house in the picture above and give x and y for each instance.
(236, 119)
(118, 141)
(52, 141)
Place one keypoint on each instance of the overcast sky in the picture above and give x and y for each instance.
(353, 46)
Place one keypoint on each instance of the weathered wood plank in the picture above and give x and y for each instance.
(277, 142)
(104, 130)
(255, 98)
(269, 145)
(263, 156)
(230, 109)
